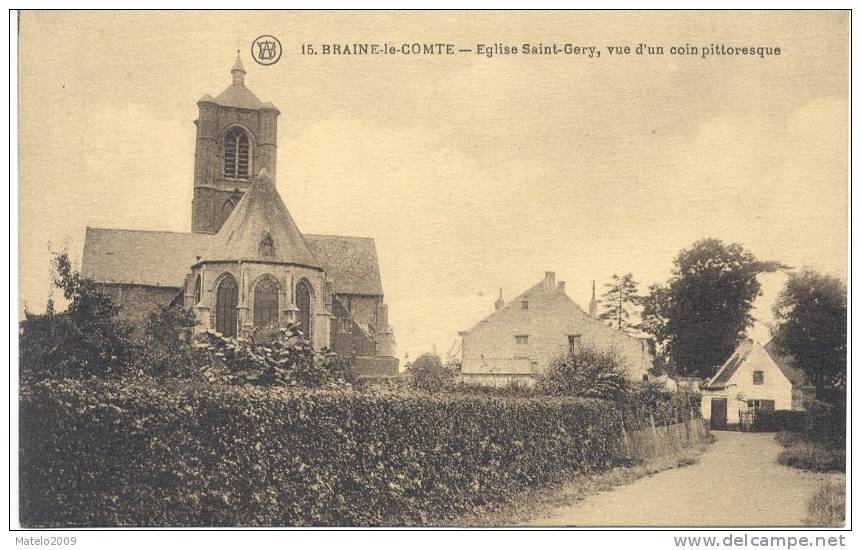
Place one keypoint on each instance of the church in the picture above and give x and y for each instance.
(245, 263)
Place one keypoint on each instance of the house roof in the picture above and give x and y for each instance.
(747, 350)
(546, 286)
(260, 215)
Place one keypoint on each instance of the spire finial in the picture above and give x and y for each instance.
(593, 305)
(499, 302)
(238, 71)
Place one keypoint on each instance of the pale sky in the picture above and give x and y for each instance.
(470, 173)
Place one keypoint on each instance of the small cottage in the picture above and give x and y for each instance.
(750, 379)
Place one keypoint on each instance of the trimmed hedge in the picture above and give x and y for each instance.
(780, 421)
(131, 453)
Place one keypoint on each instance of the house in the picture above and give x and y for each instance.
(520, 338)
(750, 379)
(246, 263)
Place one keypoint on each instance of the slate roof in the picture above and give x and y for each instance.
(163, 258)
(260, 213)
(152, 258)
(350, 261)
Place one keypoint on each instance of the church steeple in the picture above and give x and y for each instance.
(499, 301)
(593, 305)
(238, 71)
(237, 137)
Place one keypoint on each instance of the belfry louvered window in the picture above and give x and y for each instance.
(236, 154)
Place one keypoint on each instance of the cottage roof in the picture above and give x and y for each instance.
(793, 373)
(259, 217)
(746, 351)
(163, 258)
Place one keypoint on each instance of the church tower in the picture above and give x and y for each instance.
(237, 137)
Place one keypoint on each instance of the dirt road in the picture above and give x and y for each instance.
(737, 482)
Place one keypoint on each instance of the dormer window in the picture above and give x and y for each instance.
(267, 246)
(236, 154)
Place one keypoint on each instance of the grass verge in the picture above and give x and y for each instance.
(827, 506)
(803, 453)
(538, 502)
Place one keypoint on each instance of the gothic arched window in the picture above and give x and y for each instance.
(267, 246)
(236, 154)
(265, 302)
(226, 209)
(197, 290)
(303, 302)
(226, 300)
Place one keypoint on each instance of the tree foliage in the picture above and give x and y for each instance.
(87, 339)
(430, 374)
(620, 303)
(698, 317)
(810, 327)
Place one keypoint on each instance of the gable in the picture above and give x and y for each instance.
(738, 370)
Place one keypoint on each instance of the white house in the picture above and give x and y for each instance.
(750, 379)
(520, 338)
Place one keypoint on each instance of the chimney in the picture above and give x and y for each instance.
(561, 286)
(549, 279)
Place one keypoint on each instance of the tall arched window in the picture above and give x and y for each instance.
(197, 290)
(226, 300)
(303, 302)
(265, 302)
(236, 153)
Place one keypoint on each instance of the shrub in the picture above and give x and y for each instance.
(429, 374)
(166, 348)
(802, 452)
(828, 422)
(827, 506)
(587, 372)
(284, 358)
(109, 453)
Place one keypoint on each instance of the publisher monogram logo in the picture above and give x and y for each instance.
(266, 50)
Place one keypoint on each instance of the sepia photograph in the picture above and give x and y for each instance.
(431, 269)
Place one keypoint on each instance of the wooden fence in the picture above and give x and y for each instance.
(655, 441)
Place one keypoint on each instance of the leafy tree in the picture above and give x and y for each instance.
(699, 316)
(587, 372)
(810, 326)
(86, 339)
(620, 303)
(430, 374)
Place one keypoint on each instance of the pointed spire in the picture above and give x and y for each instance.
(238, 71)
(593, 305)
(499, 302)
